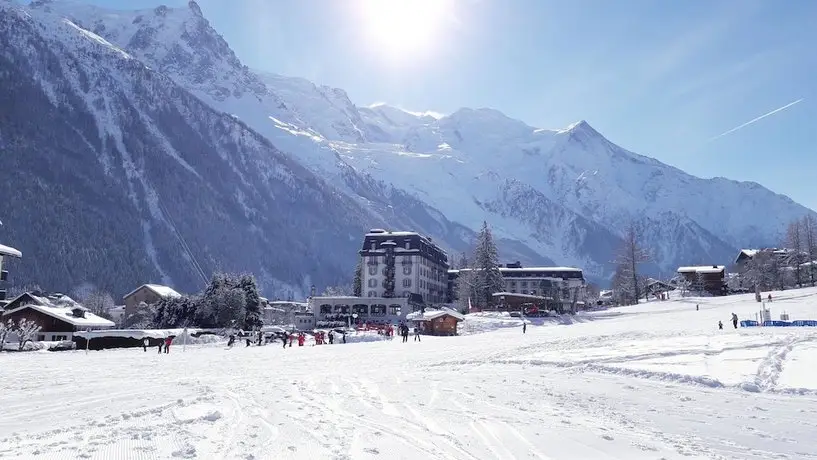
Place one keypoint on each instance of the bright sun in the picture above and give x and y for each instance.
(404, 28)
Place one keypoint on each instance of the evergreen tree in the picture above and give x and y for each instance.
(357, 284)
(252, 308)
(488, 278)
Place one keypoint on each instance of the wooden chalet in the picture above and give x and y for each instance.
(436, 322)
(708, 279)
(57, 315)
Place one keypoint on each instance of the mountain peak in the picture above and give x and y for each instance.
(195, 8)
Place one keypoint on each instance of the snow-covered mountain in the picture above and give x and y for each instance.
(551, 195)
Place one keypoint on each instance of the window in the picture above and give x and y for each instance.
(406, 293)
(326, 309)
(373, 270)
(378, 310)
(407, 269)
(372, 294)
(406, 283)
(394, 310)
(372, 282)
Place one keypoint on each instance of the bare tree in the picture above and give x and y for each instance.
(465, 288)
(339, 290)
(629, 256)
(809, 227)
(98, 301)
(5, 329)
(26, 330)
(794, 241)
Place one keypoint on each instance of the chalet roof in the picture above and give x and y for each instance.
(526, 269)
(702, 269)
(10, 252)
(428, 315)
(158, 289)
(62, 308)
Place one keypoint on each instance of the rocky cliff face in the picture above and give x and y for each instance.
(114, 174)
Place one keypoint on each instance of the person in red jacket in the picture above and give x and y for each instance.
(301, 339)
(168, 341)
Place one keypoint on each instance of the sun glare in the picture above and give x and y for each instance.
(404, 28)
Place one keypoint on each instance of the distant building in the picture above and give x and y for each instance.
(708, 278)
(567, 282)
(148, 293)
(338, 310)
(57, 315)
(281, 312)
(419, 266)
(745, 255)
(6, 252)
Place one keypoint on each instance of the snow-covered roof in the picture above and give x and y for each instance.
(379, 232)
(526, 269)
(9, 251)
(162, 291)
(749, 252)
(432, 314)
(702, 269)
(63, 308)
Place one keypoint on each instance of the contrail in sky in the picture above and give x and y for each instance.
(756, 119)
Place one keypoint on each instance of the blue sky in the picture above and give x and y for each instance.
(659, 78)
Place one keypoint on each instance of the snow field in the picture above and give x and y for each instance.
(657, 380)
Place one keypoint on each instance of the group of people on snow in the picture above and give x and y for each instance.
(162, 343)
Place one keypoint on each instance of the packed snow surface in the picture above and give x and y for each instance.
(657, 380)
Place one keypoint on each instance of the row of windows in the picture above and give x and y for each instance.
(374, 294)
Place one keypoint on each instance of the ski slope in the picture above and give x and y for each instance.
(658, 380)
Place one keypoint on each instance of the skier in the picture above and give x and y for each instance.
(284, 339)
(416, 334)
(331, 337)
(301, 339)
(404, 332)
(145, 343)
(524, 327)
(168, 341)
(720, 325)
(260, 337)
(770, 297)
(343, 336)
(231, 340)
(249, 342)
(161, 342)
(735, 320)
(696, 307)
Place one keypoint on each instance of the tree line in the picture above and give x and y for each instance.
(793, 265)
(228, 301)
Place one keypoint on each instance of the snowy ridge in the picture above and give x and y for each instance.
(564, 195)
(123, 139)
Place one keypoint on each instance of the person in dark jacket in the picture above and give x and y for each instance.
(416, 334)
(331, 337)
(145, 343)
(524, 327)
(735, 320)
(168, 341)
(720, 325)
(161, 344)
(231, 340)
